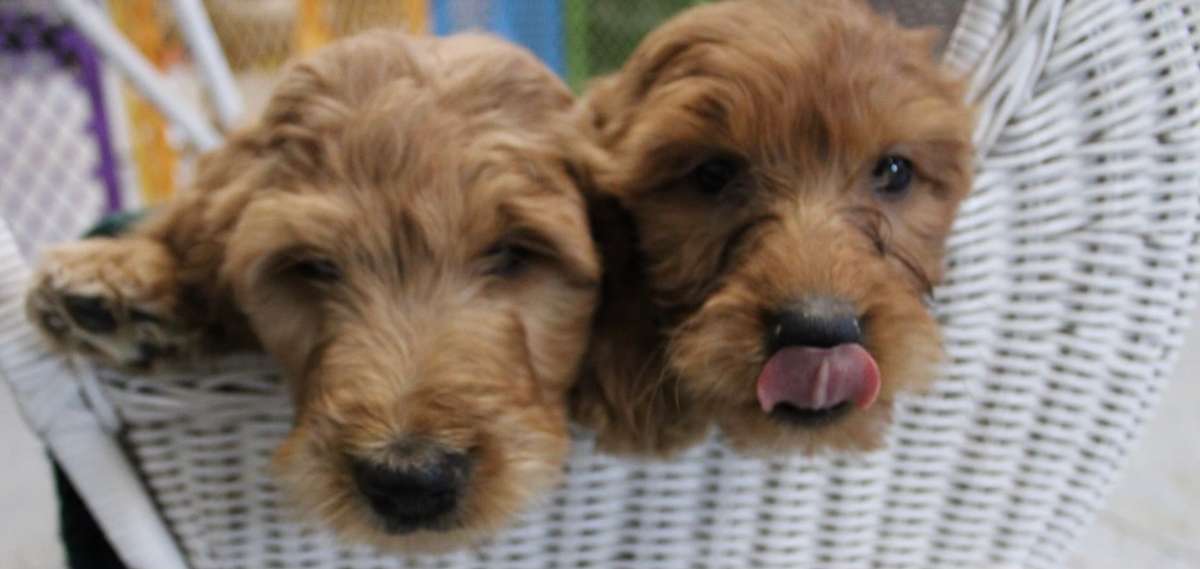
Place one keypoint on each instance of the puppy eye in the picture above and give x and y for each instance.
(715, 174)
(507, 259)
(893, 176)
(316, 270)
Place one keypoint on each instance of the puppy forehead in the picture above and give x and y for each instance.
(830, 74)
(454, 194)
(406, 156)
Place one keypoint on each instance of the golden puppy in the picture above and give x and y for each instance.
(777, 180)
(400, 232)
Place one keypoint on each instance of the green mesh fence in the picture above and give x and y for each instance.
(601, 34)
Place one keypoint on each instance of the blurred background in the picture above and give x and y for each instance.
(77, 142)
(62, 107)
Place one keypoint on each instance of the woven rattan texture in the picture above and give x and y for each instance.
(1071, 271)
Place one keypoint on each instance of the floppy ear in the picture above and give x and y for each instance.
(194, 227)
(609, 396)
(623, 392)
(288, 140)
(599, 103)
(263, 246)
(601, 119)
(610, 102)
(613, 117)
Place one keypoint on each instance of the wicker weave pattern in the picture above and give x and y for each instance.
(1072, 268)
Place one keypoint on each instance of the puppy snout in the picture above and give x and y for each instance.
(817, 322)
(817, 370)
(420, 495)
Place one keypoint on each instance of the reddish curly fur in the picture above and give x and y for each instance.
(404, 161)
(808, 95)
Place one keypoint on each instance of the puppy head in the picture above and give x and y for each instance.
(418, 260)
(792, 169)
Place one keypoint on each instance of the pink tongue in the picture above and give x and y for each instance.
(819, 378)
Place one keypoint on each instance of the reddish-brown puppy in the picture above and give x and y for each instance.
(401, 233)
(777, 180)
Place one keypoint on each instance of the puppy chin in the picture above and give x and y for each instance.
(425, 541)
(749, 430)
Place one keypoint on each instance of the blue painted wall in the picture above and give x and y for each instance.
(535, 24)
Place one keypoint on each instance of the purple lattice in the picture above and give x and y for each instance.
(58, 170)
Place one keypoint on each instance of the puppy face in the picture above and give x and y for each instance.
(417, 258)
(792, 169)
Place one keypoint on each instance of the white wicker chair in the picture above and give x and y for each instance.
(1072, 270)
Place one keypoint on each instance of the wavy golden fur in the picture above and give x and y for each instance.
(796, 102)
(400, 231)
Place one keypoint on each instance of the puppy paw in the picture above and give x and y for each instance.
(114, 300)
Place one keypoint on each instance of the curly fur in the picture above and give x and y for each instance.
(415, 169)
(806, 96)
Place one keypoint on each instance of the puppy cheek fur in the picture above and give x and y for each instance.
(720, 349)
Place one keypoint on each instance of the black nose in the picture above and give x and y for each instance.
(818, 322)
(416, 497)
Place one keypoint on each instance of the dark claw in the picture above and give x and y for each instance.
(147, 353)
(90, 313)
(54, 323)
